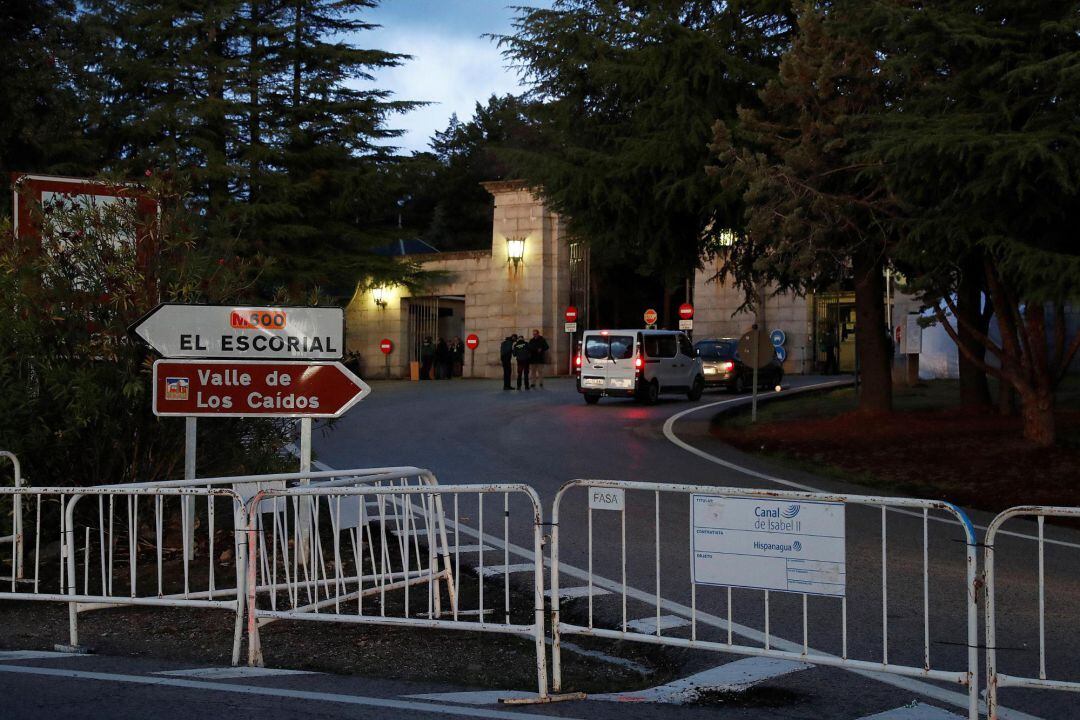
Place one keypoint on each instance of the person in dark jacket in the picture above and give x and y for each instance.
(521, 354)
(538, 348)
(442, 360)
(427, 357)
(506, 352)
(457, 357)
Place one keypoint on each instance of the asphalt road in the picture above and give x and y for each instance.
(472, 432)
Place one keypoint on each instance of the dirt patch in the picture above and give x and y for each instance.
(970, 457)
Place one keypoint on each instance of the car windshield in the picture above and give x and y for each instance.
(617, 347)
(716, 349)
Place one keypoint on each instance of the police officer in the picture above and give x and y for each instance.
(506, 352)
(521, 354)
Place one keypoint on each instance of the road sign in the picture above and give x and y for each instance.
(777, 337)
(571, 314)
(781, 353)
(686, 311)
(386, 346)
(570, 327)
(913, 332)
(472, 342)
(766, 351)
(607, 499)
(650, 317)
(225, 388)
(791, 546)
(686, 324)
(248, 333)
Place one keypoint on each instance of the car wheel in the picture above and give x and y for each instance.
(739, 386)
(696, 389)
(592, 399)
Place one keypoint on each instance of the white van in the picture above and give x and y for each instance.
(637, 363)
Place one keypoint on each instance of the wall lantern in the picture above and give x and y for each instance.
(515, 251)
(379, 294)
(727, 237)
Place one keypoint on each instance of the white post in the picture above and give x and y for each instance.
(189, 474)
(305, 503)
(305, 448)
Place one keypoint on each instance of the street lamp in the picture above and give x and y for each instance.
(379, 294)
(515, 251)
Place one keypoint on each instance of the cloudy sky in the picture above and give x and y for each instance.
(453, 66)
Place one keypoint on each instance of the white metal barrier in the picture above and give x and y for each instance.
(996, 679)
(645, 551)
(15, 537)
(381, 556)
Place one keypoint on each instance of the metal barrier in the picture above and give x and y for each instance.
(15, 537)
(128, 551)
(383, 547)
(807, 577)
(995, 679)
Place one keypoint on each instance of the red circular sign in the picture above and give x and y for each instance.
(650, 317)
(472, 342)
(686, 311)
(386, 346)
(571, 314)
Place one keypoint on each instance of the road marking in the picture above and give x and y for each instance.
(576, 592)
(735, 676)
(470, 549)
(603, 657)
(648, 625)
(492, 570)
(225, 673)
(669, 433)
(478, 697)
(37, 655)
(375, 702)
(914, 712)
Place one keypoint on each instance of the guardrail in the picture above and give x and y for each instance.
(15, 537)
(384, 546)
(798, 581)
(995, 679)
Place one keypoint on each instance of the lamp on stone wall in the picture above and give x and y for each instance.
(515, 251)
(379, 294)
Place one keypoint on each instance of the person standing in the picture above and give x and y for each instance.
(521, 354)
(506, 352)
(457, 357)
(538, 347)
(427, 357)
(442, 360)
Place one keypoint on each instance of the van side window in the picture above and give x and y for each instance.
(685, 347)
(652, 347)
(667, 346)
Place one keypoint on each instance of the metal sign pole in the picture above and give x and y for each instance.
(753, 396)
(472, 362)
(190, 428)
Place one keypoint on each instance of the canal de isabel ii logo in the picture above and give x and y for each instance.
(792, 511)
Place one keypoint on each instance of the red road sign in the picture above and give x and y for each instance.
(650, 317)
(472, 342)
(571, 314)
(686, 311)
(386, 346)
(255, 389)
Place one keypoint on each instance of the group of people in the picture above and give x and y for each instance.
(530, 355)
(447, 360)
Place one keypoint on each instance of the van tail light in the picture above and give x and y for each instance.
(639, 364)
(577, 363)
(727, 366)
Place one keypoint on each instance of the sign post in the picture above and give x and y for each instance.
(387, 347)
(650, 318)
(472, 342)
(570, 327)
(686, 317)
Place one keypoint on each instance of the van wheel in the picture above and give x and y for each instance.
(652, 393)
(696, 389)
(592, 399)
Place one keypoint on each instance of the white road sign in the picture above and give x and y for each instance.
(601, 498)
(786, 545)
(913, 335)
(571, 327)
(239, 332)
(687, 324)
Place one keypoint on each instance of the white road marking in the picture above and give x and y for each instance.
(603, 657)
(492, 570)
(470, 549)
(673, 438)
(478, 697)
(37, 655)
(914, 712)
(735, 676)
(225, 673)
(568, 593)
(374, 702)
(648, 625)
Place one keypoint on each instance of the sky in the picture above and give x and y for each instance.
(453, 66)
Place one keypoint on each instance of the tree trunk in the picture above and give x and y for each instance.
(974, 390)
(1037, 411)
(873, 349)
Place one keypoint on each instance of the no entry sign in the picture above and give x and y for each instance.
(248, 333)
(472, 342)
(571, 314)
(650, 317)
(223, 388)
(386, 346)
(686, 311)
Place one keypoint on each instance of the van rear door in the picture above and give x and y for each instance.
(608, 361)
